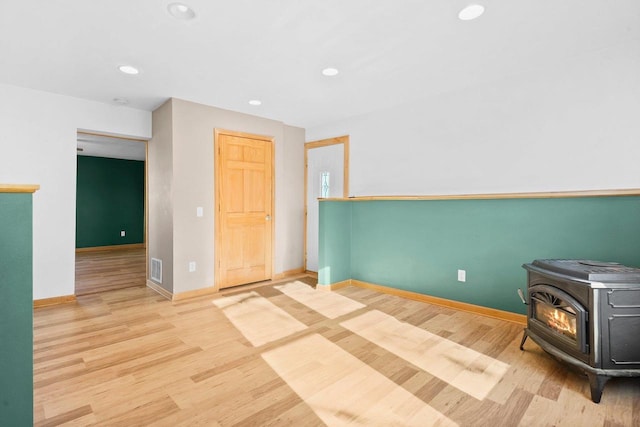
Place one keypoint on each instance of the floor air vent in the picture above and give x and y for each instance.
(156, 270)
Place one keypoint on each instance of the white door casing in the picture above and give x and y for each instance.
(323, 156)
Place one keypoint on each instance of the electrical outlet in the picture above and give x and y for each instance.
(123, 233)
(192, 266)
(462, 275)
(199, 211)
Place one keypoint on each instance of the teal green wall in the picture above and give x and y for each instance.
(419, 245)
(16, 310)
(334, 243)
(109, 198)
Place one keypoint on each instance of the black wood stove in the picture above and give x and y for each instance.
(587, 314)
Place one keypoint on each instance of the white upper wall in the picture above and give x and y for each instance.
(38, 146)
(573, 126)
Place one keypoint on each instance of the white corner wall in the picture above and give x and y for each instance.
(38, 146)
(290, 194)
(569, 126)
(192, 186)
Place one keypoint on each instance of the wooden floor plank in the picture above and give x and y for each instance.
(107, 270)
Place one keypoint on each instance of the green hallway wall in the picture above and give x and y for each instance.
(419, 245)
(109, 198)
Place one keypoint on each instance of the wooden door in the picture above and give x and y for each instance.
(244, 196)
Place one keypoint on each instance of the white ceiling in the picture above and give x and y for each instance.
(108, 146)
(388, 52)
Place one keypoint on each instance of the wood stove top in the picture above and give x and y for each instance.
(595, 271)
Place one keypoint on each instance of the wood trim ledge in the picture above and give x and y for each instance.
(19, 188)
(540, 195)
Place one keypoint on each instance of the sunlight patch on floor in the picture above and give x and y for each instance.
(343, 390)
(468, 370)
(258, 319)
(329, 304)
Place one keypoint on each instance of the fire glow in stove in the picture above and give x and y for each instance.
(586, 313)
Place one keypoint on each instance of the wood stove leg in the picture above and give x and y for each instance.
(524, 338)
(597, 383)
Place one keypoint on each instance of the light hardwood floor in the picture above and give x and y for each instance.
(106, 270)
(129, 357)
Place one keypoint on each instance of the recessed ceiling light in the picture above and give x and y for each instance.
(121, 101)
(255, 102)
(471, 12)
(181, 11)
(128, 69)
(330, 72)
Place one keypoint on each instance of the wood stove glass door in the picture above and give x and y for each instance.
(559, 316)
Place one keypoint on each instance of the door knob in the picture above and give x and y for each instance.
(268, 218)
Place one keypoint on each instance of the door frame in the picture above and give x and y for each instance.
(345, 193)
(217, 229)
(146, 194)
